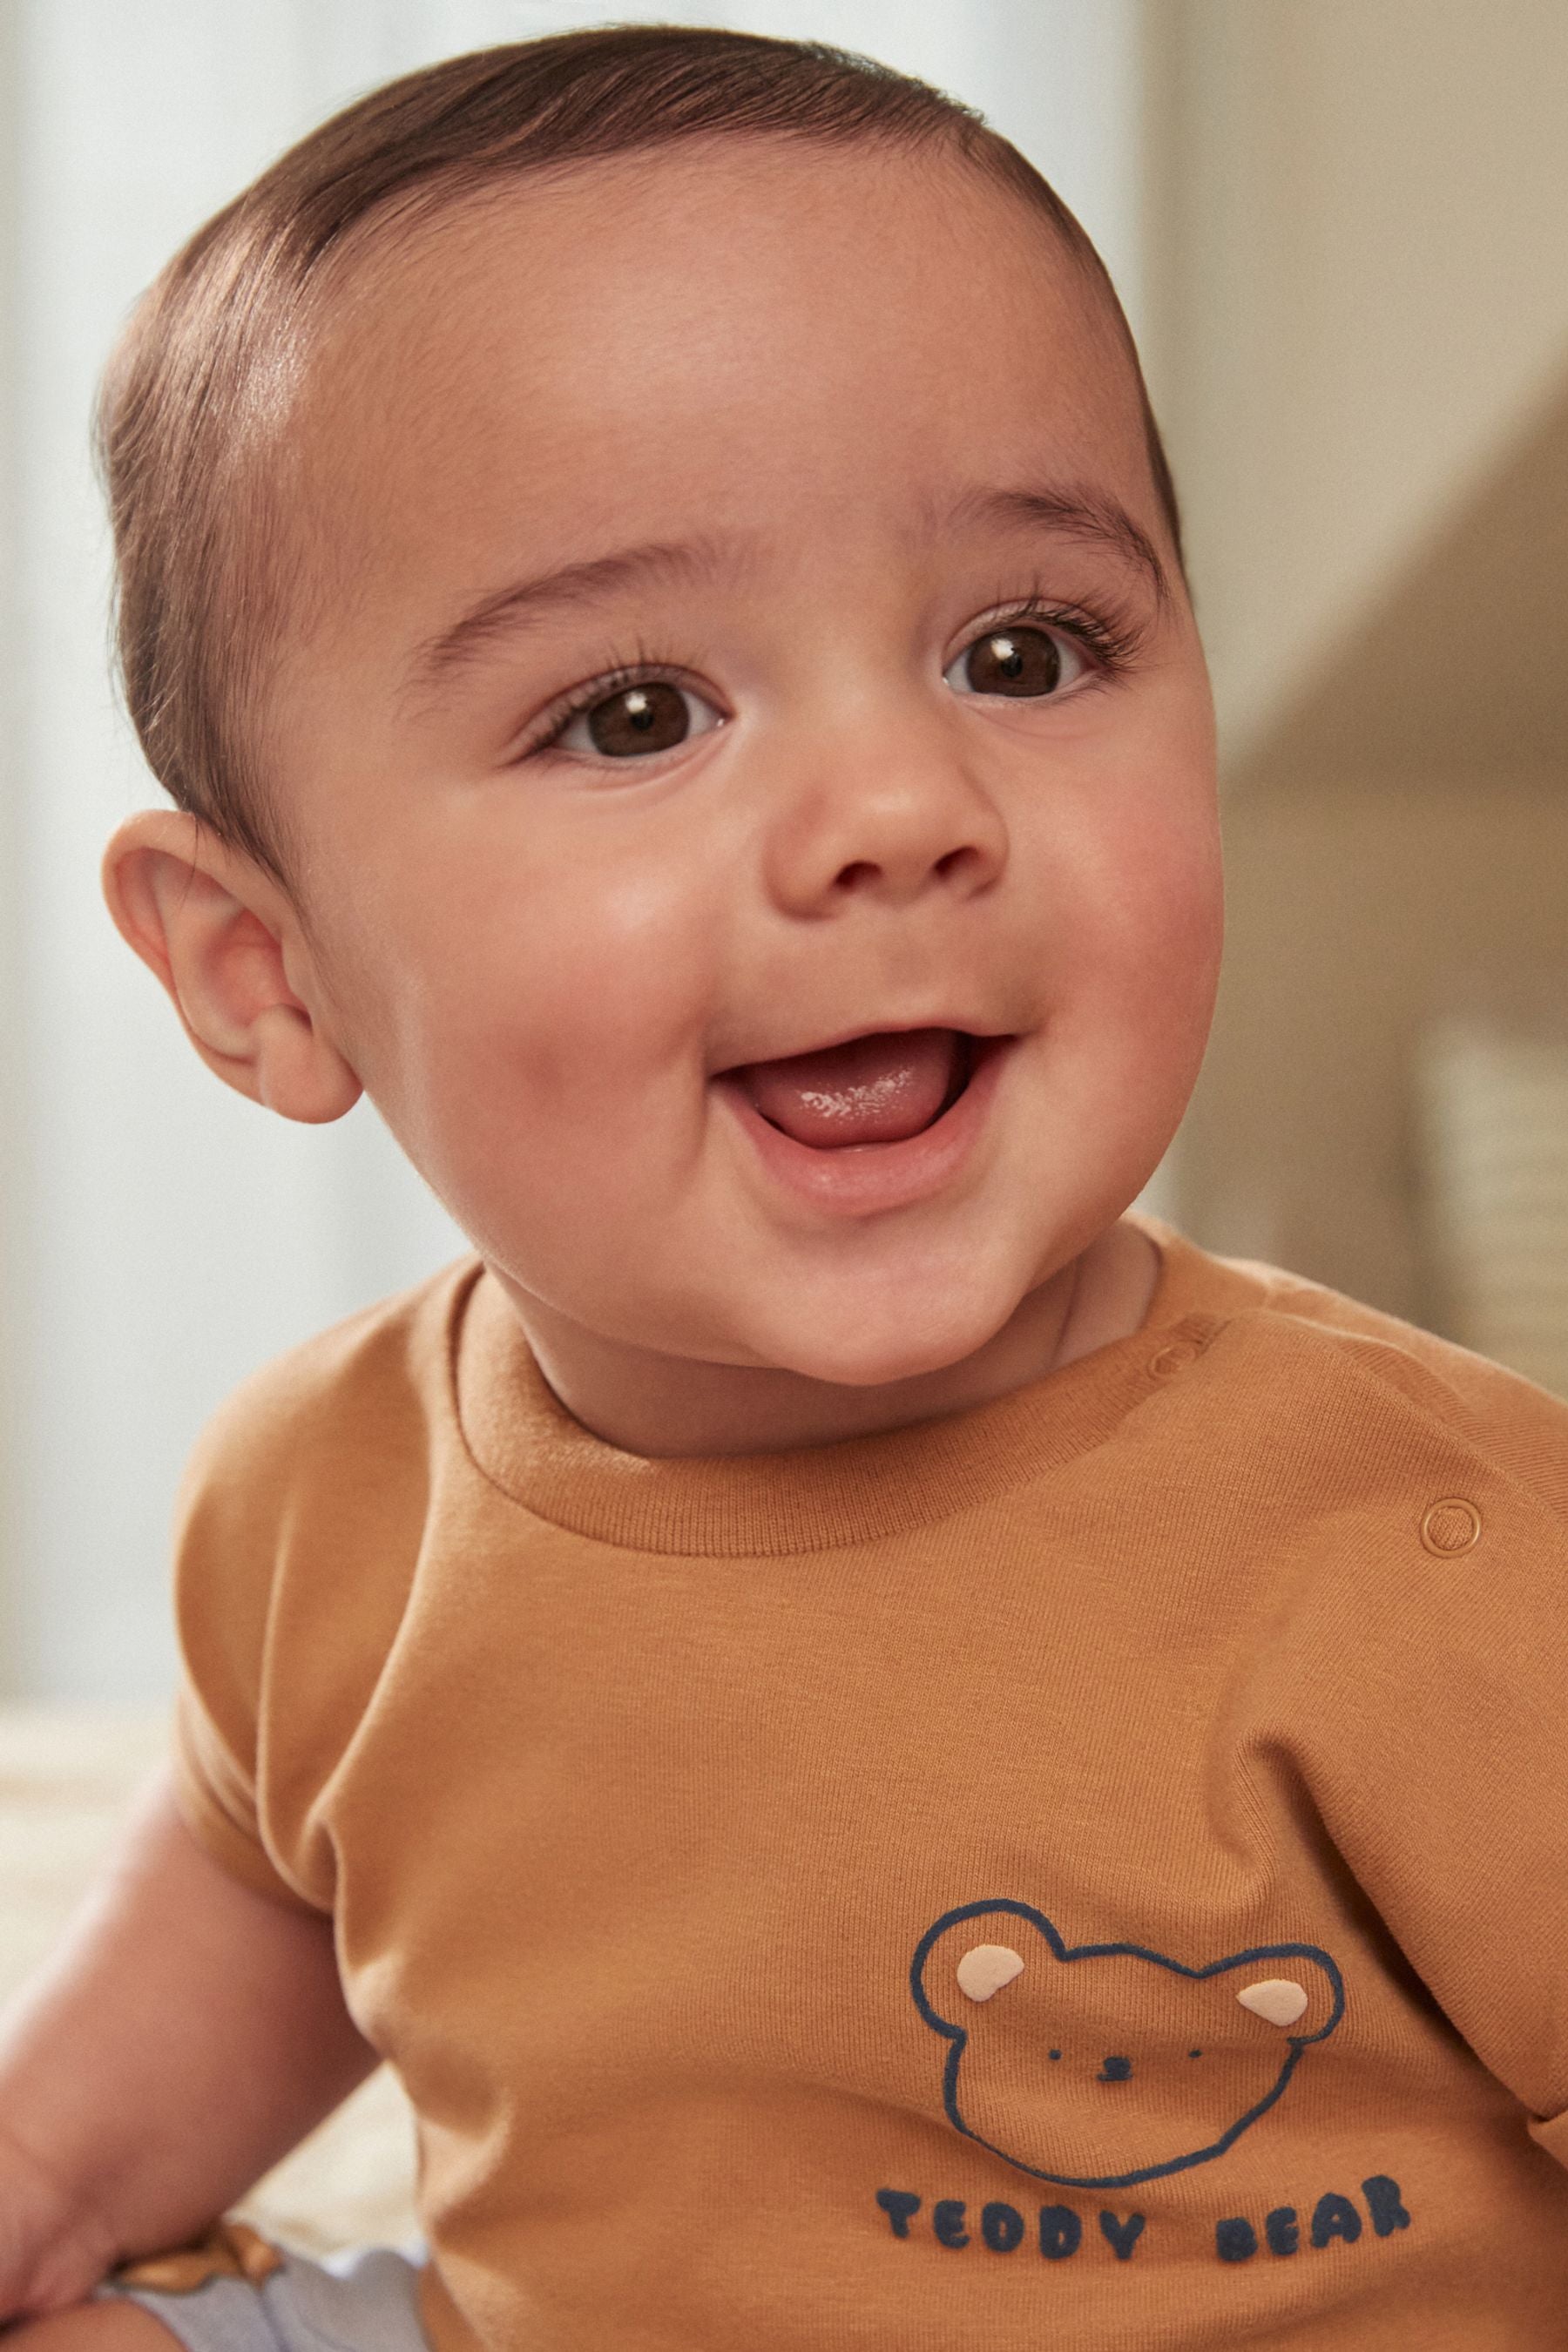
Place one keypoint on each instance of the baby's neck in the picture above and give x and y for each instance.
(654, 1405)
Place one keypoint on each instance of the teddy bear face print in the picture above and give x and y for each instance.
(1099, 2066)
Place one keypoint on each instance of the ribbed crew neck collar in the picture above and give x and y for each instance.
(816, 1498)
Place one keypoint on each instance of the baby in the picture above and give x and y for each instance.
(895, 1756)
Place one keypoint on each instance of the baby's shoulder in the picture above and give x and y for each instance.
(1400, 1381)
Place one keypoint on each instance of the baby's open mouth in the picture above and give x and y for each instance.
(880, 1089)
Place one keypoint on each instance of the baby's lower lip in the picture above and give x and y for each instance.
(861, 1179)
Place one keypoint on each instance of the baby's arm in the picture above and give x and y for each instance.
(190, 2033)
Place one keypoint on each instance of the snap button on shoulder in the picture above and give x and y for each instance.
(1176, 1358)
(1451, 1526)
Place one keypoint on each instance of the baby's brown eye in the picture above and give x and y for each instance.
(1021, 660)
(1013, 661)
(649, 717)
(654, 716)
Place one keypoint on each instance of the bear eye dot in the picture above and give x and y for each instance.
(1053, 2054)
(1194, 2054)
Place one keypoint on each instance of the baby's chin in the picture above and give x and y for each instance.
(875, 1341)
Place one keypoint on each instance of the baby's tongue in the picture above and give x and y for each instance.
(871, 1090)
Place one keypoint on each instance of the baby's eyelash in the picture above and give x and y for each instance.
(560, 715)
(1114, 641)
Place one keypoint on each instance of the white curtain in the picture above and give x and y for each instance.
(163, 1235)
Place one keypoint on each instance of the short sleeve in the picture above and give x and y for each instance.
(216, 1798)
(228, 1552)
(298, 1522)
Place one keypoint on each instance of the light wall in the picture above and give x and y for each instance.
(1357, 255)
(15, 1191)
(1362, 911)
(1358, 303)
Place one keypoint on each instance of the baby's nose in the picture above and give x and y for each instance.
(1115, 2070)
(886, 831)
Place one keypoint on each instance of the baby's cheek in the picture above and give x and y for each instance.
(620, 960)
(1164, 914)
(598, 982)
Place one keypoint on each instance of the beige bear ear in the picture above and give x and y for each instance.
(1280, 1999)
(985, 1969)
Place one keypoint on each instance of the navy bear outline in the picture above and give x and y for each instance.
(958, 2035)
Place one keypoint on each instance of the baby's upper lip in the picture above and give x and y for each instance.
(824, 1045)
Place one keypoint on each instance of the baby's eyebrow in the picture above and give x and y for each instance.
(1072, 514)
(505, 609)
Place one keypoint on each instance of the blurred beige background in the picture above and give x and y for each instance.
(1356, 266)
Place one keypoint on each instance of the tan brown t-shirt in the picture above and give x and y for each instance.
(1092, 1871)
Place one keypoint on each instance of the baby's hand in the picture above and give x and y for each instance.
(53, 2249)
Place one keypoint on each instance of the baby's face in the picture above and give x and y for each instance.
(838, 699)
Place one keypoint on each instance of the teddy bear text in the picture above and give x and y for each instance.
(1335, 2218)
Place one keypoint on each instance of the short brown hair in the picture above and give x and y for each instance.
(200, 568)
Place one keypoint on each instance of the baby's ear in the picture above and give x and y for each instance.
(224, 941)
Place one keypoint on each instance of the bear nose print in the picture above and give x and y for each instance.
(1115, 2070)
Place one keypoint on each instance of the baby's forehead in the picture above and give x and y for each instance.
(581, 277)
(642, 317)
